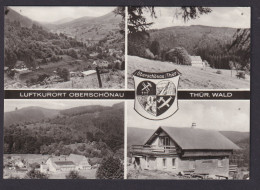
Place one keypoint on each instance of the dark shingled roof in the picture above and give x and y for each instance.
(198, 139)
(64, 163)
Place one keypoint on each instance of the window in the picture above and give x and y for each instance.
(147, 162)
(174, 163)
(220, 163)
(192, 165)
(164, 141)
(164, 163)
(167, 141)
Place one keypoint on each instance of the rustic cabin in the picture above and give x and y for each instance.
(196, 61)
(185, 151)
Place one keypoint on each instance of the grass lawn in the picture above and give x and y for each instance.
(191, 78)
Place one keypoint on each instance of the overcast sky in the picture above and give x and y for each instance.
(10, 105)
(236, 17)
(215, 115)
(55, 13)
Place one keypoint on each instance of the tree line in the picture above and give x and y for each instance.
(54, 134)
(219, 53)
(30, 44)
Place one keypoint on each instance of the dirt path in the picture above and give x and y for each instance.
(191, 78)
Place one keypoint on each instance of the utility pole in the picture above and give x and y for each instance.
(98, 74)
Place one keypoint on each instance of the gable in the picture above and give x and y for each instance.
(195, 139)
(161, 139)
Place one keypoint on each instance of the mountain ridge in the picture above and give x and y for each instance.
(99, 126)
(36, 113)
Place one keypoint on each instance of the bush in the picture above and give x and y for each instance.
(42, 77)
(11, 74)
(33, 81)
(123, 65)
(34, 174)
(155, 47)
(94, 161)
(118, 65)
(73, 53)
(178, 55)
(138, 43)
(110, 168)
(64, 74)
(148, 54)
(219, 72)
(74, 175)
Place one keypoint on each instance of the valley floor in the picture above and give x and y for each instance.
(191, 78)
(111, 80)
(21, 172)
(87, 174)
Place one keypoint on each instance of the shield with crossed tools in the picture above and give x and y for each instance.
(156, 94)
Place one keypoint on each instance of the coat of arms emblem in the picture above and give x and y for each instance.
(156, 94)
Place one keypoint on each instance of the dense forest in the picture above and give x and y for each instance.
(242, 157)
(93, 134)
(211, 43)
(239, 157)
(38, 43)
(35, 45)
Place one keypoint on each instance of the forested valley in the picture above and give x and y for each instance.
(93, 131)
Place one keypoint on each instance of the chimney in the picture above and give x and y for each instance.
(193, 125)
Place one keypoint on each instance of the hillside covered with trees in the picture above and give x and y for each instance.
(35, 44)
(220, 47)
(95, 133)
(37, 54)
(210, 43)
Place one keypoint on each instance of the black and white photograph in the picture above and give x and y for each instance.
(55, 47)
(209, 46)
(203, 140)
(129, 95)
(63, 139)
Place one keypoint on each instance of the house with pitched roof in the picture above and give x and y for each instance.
(196, 61)
(81, 162)
(65, 163)
(181, 150)
(58, 164)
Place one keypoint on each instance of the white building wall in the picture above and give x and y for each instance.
(197, 64)
(51, 166)
(168, 164)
